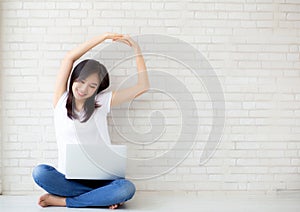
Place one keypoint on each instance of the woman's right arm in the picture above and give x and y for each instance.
(67, 62)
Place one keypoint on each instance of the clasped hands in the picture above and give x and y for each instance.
(122, 38)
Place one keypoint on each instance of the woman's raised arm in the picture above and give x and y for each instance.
(142, 85)
(69, 59)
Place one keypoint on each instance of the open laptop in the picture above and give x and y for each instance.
(92, 158)
(98, 162)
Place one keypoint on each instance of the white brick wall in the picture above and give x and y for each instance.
(252, 45)
(1, 137)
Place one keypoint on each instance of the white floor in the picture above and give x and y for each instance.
(170, 201)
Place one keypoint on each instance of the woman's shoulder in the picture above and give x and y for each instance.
(102, 95)
(61, 100)
(104, 99)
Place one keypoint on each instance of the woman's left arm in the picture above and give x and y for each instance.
(142, 85)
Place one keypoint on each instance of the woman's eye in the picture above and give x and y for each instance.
(92, 87)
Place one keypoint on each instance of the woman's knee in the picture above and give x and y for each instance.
(40, 172)
(128, 189)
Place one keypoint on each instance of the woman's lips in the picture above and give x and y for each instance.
(80, 94)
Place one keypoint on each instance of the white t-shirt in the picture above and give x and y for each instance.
(65, 127)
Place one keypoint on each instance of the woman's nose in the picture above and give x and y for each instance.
(83, 87)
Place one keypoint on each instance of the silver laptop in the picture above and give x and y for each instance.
(95, 162)
(92, 158)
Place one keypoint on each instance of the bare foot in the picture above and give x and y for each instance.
(115, 206)
(51, 200)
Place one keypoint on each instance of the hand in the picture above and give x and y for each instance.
(111, 35)
(127, 40)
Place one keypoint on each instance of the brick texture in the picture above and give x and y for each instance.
(253, 46)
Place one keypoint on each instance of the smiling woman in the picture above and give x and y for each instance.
(85, 97)
(88, 79)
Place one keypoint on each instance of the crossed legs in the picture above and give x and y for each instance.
(80, 193)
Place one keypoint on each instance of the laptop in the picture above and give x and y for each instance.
(92, 158)
(95, 162)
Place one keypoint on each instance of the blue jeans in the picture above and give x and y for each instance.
(83, 193)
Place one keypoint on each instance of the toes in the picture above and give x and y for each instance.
(42, 199)
(42, 203)
(113, 206)
(116, 205)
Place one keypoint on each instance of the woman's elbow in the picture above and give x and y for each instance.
(146, 88)
(142, 89)
(147, 85)
(69, 56)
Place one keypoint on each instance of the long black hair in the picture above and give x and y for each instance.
(81, 71)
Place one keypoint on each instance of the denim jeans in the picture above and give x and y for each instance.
(83, 193)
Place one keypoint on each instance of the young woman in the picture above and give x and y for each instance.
(85, 98)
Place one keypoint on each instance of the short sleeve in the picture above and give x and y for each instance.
(60, 101)
(104, 99)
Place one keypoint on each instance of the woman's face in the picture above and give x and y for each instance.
(84, 89)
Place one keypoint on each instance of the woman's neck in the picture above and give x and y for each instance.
(79, 105)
